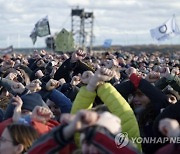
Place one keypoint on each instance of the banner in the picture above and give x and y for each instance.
(6, 50)
(107, 43)
(165, 31)
(41, 29)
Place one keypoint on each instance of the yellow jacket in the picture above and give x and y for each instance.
(120, 107)
(115, 103)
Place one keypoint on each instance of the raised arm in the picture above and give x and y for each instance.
(118, 105)
(86, 95)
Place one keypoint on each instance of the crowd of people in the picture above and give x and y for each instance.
(86, 102)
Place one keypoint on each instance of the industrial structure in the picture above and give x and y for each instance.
(82, 27)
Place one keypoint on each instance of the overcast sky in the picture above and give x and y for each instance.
(124, 21)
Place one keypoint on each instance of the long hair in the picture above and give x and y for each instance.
(148, 115)
(22, 134)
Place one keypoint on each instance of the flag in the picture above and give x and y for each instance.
(41, 29)
(6, 50)
(165, 31)
(107, 43)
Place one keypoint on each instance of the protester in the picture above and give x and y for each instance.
(17, 139)
(97, 136)
(140, 89)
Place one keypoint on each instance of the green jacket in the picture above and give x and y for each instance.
(120, 107)
(84, 100)
(115, 103)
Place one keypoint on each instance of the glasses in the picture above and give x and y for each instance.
(2, 139)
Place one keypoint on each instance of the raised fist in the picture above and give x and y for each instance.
(39, 74)
(11, 76)
(43, 52)
(169, 127)
(37, 81)
(164, 71)
(17, 101)
(78, 55)
(34, 86)
(175, 71)
(62, 81)
(52, 84)
(111, 63)
(18, 87)
(41, 114)
(86, 76)
(83, 119)
(130, 71)
(153, 76)
(75, 80)
(103, 74)
(41, 63)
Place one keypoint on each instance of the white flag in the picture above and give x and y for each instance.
(41, 29)
(165, 31)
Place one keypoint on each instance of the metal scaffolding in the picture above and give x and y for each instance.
(82, 27)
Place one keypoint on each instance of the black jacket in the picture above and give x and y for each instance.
(67, 70)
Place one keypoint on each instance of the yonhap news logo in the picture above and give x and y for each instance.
(121, 140)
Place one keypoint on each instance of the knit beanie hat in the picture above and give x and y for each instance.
(172, 92)
(30, 101)
(107, 120)
(110, 122)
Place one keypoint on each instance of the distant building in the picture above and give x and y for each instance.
(64, 41)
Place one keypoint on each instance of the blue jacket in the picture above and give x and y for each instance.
(61, 101)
